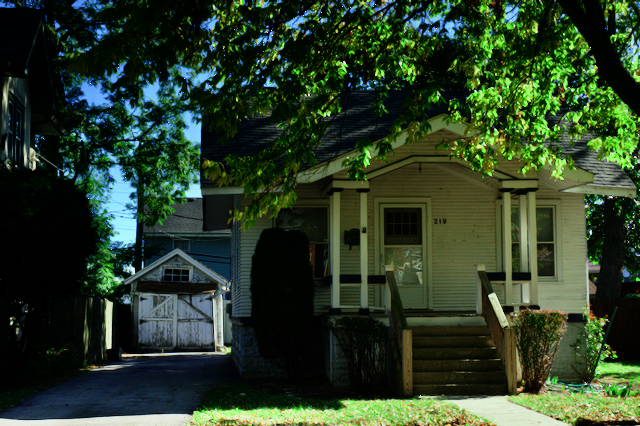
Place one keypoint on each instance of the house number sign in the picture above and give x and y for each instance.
(440, 221)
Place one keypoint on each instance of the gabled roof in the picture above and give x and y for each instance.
(177, 252)
(187, 219)
(23, 54)
(358, 121)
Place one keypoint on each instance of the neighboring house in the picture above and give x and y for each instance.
(437, 223)
(184, 230)
(178, 303)
(26, 87)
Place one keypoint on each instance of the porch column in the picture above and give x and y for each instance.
(524, 234)
(506, 252)
(364, 254)
(334, 242)
(533, 245)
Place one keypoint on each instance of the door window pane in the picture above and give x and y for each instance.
(402, 226)
(407, 262)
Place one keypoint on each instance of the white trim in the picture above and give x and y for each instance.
(229, 190)
(344, 184)
(424, 203)
(557, 229)
(507, 254)
(221, 190)
(188, 268)
(437, 159)
(603, 190)
(177, 252)
(364, 253)
(334, 247)
(336, 165)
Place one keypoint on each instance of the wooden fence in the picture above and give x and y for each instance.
(91, 324)
(624, 337)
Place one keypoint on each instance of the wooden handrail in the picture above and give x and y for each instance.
(503, 335)
(403, 337)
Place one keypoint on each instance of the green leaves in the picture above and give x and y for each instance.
(295, 61)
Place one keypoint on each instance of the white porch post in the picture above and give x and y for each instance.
(334, 206)
(507, 256)
(524, 235)
(533, 245)
(364, 254)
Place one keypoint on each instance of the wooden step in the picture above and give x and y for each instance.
(460, 378)
(453, 342)
(455, 353)
(440, 365)
(452, 330)
(457, 389)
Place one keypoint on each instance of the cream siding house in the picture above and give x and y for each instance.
(433, 221)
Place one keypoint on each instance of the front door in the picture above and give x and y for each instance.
(404, 245)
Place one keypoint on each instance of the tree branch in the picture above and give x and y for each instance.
(588, 17)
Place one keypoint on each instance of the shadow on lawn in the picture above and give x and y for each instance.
(245, 396)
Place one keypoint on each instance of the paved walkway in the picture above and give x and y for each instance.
(153, 390)
(500, 411)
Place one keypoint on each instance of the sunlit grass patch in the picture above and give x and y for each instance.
(572, 407)
(242, 404)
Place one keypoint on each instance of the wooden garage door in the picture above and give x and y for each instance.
(171, 320)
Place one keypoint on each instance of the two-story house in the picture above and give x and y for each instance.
(26, 86)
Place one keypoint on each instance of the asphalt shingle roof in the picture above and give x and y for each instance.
(358, 121)
(186, 219)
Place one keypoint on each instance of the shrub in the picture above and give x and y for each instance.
(538, 335)
(282, 299)
(591, 339)
(363, 341)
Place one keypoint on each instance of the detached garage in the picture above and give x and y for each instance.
(177, 304)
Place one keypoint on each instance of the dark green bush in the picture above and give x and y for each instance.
(282, 299)
(538, 335)
(363, 341)
(53, 362)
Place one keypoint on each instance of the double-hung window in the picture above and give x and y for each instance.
(547, 241)
(15, 140)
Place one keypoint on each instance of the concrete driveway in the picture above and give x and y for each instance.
(154, 389)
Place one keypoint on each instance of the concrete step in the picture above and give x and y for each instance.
(455, 353)
(458, 330)
(456, 389)
(439, 365)
(460, 378)
(453, 342)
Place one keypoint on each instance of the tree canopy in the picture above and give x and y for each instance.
(138, 129)
(520, 61)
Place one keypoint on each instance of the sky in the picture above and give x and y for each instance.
(123, 221)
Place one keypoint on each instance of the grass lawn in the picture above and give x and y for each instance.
(571, 408)
(244, 404)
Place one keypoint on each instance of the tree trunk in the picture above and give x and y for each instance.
(612, 262)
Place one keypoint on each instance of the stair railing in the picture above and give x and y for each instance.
(403, 338)
(503, 335)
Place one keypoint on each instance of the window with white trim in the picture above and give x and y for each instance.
(313, 221)
(176, 275)
(15, 139)
(546, 236)
(549, 238)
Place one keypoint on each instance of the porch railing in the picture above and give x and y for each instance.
(401, 334)
(503, 335)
